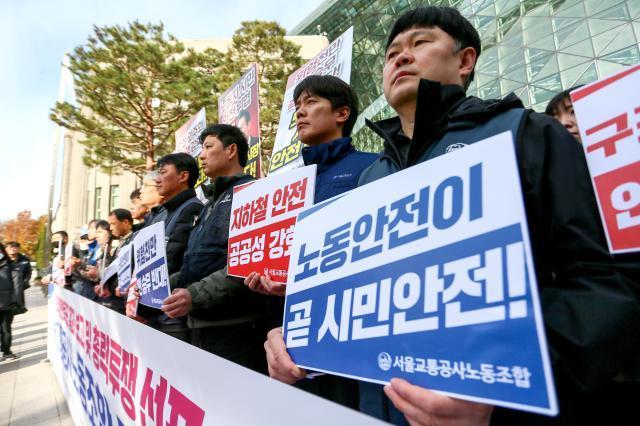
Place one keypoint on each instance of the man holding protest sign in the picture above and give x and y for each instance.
(227, 319)
(176, 177)
(590, 307)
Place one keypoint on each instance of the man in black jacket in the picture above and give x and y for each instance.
(23, 263)
(234, 327)
(589, 299)
(176, 176)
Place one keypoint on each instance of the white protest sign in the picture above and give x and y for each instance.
(151, 265)
(608, 113)
(426, 274)
(334, 60)
(263, 217)
(114, 371)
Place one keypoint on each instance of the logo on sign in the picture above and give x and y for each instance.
(384, 361)
(456, 146)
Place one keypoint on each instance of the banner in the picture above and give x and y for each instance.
(124, 267)
(240, 107)
(427, 275)
(113, 370)
(263, 218)
(188, 141)
(151, 265)
(334, 60)
(608, 113)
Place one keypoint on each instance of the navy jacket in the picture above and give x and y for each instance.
(590, 300)
(339, 166)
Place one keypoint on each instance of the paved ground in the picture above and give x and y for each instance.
(29, 391)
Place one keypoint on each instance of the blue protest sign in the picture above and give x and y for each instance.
(151, 265)
(426, 275)
(124, 267)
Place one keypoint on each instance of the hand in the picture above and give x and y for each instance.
(281, 366)
(92, 272)
(129, 309)
(46, 280)
(178, 304)
(74, 261)
(264, 284)
(118, 293)
(423, 407)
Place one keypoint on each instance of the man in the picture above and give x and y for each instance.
(326, 110)
(81, 285)
(227, 319)
(121, 225)
(137, 209)
(590, 307)
(149, 195)
(244, 124)
(23, 264)
(560, 107)
(176, 177)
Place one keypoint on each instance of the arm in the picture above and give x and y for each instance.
(179, 237)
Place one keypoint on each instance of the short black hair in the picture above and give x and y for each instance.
(13, 244)
(122, 215)
(135, 194)
(336, 91)
(228, 135)
(244, 114)
(183, 163)
(103, 224)
(63, 234)
(552, 106)
(447, 19)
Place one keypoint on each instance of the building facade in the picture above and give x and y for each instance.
(534, 48)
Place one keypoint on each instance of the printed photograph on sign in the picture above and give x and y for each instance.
(334, 60)
(151, 265)
(262, 222)
(608, 115)
(188, 141)
(240, 107)
(426, 275)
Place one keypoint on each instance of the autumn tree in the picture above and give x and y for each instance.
(134, 87)
(24, 230)
(263, 43)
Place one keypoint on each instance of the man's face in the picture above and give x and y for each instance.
(419, 53)
(149, 195)
(566, 116)
(13, 251)
(103, 236)
(245, 127)
(317, 122)
(216, 159)
(91, 232)
(118, 228)
(138, 210)
(170, 181)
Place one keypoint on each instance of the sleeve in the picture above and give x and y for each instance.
(215, 289)
(179, 237)
(590, 300)
(28, 271)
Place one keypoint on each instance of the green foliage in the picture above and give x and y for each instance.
(263, 43)
(41, 257)
(135, 86)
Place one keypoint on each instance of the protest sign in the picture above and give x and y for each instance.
(111, 372)
(608, 113)
(188, 141)
(109, 272)
(239, 106)
(124, 267)
(334, 60)
(263, 217)
(427, 275)
(151, 265)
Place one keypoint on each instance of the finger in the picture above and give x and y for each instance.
(409, 410)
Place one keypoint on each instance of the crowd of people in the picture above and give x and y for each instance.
(590, 299)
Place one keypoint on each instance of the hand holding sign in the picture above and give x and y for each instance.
(281, 366)
(265, 285)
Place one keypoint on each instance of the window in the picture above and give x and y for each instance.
(114, 197)
(97, 203)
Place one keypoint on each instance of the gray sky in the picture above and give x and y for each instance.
(34, 34)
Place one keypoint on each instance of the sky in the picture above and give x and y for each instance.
(34, 35)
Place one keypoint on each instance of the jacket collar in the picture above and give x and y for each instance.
(327, 153)
(222, 183)
(180, 198)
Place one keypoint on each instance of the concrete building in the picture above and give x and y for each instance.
(87, 193)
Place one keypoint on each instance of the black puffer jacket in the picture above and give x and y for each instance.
(10, 282)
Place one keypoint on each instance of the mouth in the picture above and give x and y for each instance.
(401, 74)
(301, 124)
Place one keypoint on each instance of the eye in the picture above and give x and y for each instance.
(420, 41)
(392, 54)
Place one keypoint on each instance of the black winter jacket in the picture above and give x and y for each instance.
(590, 299)
(10, 283)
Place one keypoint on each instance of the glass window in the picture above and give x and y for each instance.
(97, 203)
(114, 197)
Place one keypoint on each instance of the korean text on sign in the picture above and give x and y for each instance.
(433, 261)
(608, 113)
(151, 265)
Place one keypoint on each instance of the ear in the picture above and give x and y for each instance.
(342, 115)
(232, 151)
(468, 58)
(184, 176)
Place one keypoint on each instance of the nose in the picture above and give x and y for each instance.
(404, 57)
